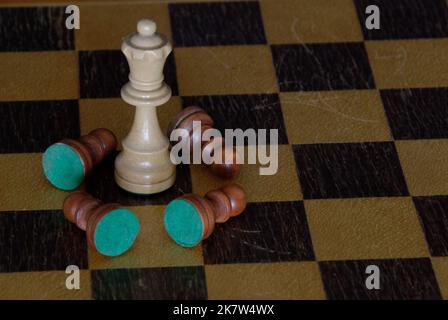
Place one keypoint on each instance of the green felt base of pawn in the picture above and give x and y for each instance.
(183, 223)
(116, 232)
(63, 166)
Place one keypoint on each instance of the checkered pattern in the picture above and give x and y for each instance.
(362, 118)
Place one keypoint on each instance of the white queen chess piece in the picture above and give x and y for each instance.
(144, 165)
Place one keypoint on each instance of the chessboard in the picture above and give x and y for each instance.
(362, 117)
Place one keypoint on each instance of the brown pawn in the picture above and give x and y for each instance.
(69, 161)
(94, 146)
(191, 218)
(110, 229)
(184, 120)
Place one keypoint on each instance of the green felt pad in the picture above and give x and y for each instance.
(116, 232)
(183, 223)
(63, 167)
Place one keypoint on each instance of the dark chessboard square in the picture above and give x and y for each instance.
(102, 73)
(315, 67)
(170, 74)
(349, 170)
(220, 23)
(406, 19)
(433, 213)
(175, 283)
(254, 111)
(32, 126)
(265, 232)
(400, 279)
(327, 66)
(40, 241)
(101, 184)
(34, 29)
(417, 113)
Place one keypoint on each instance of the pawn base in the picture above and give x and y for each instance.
(63, 166)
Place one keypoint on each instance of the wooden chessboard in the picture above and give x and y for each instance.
(363, 126)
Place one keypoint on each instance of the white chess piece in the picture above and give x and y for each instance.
(144, 165)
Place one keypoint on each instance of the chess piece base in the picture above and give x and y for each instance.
(145, 188)
(144, 165)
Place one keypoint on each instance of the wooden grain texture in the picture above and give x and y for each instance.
(266, 232)
(101, 184)
(348, 170)
(406, 19)
(208, 24)
(433, 213)
(34, 29)
(400, 279)
(311, 67)
(304, 21)
(40, 241)
(32, 126)
(184, 283)
(417, 113)
(102, 73)
(256, 111)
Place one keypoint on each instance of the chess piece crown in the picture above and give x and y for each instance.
(146, 52)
